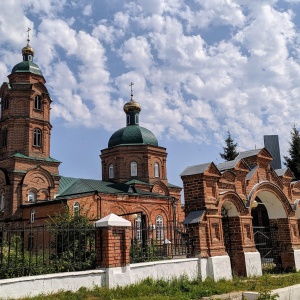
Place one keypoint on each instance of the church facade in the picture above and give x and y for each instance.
(134, 174)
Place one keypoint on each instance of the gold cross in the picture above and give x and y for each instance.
(131, 84)
(28, 38)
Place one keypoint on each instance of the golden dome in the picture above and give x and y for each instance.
(28, 50)
(132, 106)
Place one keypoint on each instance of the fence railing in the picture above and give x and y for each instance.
(28, 250)
(267, 244)
(150, 243)
(39, 250)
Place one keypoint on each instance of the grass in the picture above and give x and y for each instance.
(181, 289)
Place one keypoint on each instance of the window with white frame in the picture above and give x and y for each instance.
(76, 209)
(111, 171)
(138, 228)
(159, 228)
(133, 168)
(156, 170)
(31, 196)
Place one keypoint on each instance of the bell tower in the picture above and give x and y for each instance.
(25, 110)
(27, 172)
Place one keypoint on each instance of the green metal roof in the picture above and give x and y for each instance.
(27, 66)
(170, 185)
(48, 159)
(136, 181)
(74, 186)
(133, 134)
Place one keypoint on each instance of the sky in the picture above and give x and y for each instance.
(199, 68)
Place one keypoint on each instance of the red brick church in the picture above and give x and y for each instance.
(224, 204)
(134, 171)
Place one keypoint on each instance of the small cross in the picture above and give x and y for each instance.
(28, 38)
(131, 84)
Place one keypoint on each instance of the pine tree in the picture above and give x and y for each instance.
(230, 149)
(293, 160)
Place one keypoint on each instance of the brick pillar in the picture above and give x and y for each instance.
(112, 242)
(286, 241)
(245, 259)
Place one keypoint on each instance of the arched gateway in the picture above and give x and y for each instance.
(233, 201)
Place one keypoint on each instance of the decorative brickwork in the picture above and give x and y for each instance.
(226, 194)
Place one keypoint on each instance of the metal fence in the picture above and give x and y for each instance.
(151, 243)
(39, 250)
(267, 244)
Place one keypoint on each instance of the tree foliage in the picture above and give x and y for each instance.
(74, 241)
(293, 160)
(230, 152)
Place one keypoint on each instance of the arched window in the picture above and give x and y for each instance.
(38, 102)
(133, 168)
(4, 137)
(2, 203)
(31, 196)
(159, 228)
(111, 171)
(156, 170)
(76, 209)
(138, 228)
(6, 102)
(37, 137)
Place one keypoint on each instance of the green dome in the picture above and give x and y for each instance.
(133, 134)
(27, 66)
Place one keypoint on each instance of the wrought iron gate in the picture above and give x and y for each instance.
(226, 230)
(266, 242)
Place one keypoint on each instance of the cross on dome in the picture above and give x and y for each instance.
(28, 51)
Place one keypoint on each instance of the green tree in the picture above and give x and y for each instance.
(74, 241)
(230, 152)
(293, 160)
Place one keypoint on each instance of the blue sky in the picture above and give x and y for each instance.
(199, 67)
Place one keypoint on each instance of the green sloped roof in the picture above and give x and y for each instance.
(27, 66)
(49, 159)
(136, 181)
(75, 186)
(170, 185)
(133, 134)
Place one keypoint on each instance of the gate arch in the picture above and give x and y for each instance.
(270, 210)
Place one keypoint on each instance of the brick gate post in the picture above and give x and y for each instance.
(112, 242)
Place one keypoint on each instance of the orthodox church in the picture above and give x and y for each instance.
(226, 205)
(134, 172)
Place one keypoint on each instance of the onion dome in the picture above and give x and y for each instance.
(132, 106)
(132, 134)
(27, 65)
(28, 50)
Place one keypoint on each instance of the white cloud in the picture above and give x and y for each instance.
(136, 54)
(87, 10)
(191, 86)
